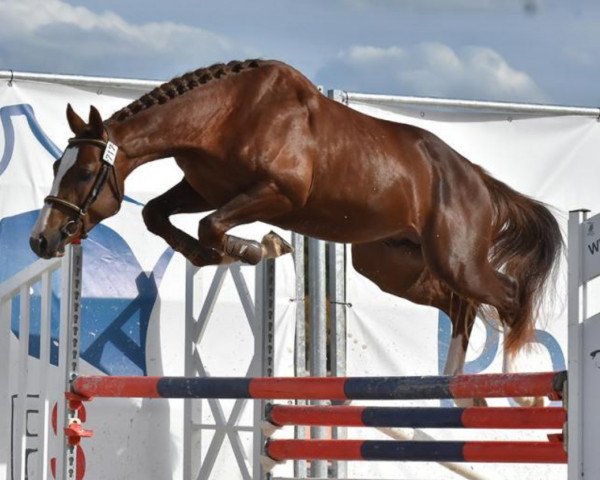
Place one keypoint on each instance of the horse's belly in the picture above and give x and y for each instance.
(362, 207)
(347, 223)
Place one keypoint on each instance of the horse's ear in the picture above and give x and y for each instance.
(75, 121)
(96, 122)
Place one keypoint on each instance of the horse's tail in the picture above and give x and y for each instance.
(527, 246)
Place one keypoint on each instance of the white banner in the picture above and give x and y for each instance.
(552, 159)
(133, 292)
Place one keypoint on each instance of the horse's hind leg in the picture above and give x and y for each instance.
(508, 366)
(397, 267)
(462, 314)
(457, 252)
(181, 198)
(262, 202)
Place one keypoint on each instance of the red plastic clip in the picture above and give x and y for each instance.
(75, 432)
(76, 400)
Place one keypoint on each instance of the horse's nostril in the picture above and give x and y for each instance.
(38, 245)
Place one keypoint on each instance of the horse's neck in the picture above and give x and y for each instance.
(161, 131)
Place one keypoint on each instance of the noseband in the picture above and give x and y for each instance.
(109, 154)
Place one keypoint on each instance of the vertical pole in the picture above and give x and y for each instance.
(265, 347)
(70, 326)
(318, 333)
(44, 403)
(189, 371)
(577, 312)
(5, 430)
(20, 433)
(336, 286)
(300, 370)
(300, 338)
(337, 294)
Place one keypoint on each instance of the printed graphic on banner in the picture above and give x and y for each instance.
(118, 294)
(33, 436)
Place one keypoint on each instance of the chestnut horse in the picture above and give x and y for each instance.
(256, 141)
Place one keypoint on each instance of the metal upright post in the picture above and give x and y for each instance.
(336, 286)
(190, 406)
(300, 370)
(265, 348)
(577, 312)
(70, 327)
(318, 333)
(300, 337)
(337, 295)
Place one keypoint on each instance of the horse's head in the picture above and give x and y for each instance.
(87, 187)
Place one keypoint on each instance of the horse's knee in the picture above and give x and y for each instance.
(360, 261)
(367, 265)
(393, 270)
(152, 218)
(210, 233)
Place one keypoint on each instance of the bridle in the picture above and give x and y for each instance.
(109, 154)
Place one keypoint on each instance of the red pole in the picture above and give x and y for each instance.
(514, 417)
(504, 385)
(102, 386)
(419, 417)
(515, 452)
(421, 451)
(346, 416)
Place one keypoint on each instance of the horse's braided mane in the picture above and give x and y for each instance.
(179, 85)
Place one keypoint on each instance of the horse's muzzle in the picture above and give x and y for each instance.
(43, 247)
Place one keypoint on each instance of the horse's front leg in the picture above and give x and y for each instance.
(260, 203)
(182, 198)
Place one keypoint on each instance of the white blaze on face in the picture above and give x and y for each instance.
(66, 162)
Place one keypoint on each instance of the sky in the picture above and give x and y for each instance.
(537, 51)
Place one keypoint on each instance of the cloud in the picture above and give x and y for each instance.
(58, 37)
(528, 6)
(431, 69)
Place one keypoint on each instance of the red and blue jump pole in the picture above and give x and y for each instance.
(419, 417)
(421, 451)
(332, 388)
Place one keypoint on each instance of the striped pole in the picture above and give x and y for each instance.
(422, 451)
(337, 388)
(421, 417)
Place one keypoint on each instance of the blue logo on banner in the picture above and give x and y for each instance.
(118, 296)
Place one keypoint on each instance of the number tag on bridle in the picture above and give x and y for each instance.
(110, 153)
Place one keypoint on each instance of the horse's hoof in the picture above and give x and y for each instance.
(274, 246)
(470, 402)
(530, 401)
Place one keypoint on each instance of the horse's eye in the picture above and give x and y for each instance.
(85, 175)
(55, 166)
